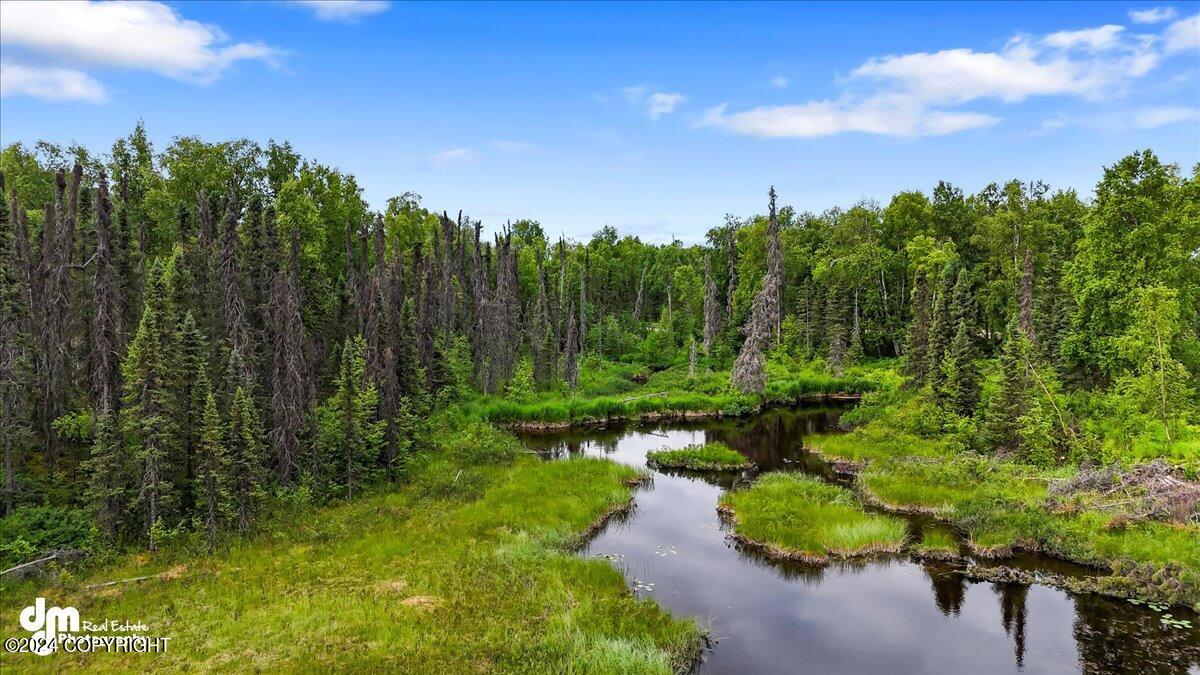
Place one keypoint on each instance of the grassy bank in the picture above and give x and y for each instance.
(707, 457)
(1003, 506)
(614, 391)
(465, 569)
(796, 516)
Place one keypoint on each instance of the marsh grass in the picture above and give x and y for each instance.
(411, 580)
(936, 543)
(707, 457)
(790, 513)
(610, 391)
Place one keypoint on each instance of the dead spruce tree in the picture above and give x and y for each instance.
(289, 371)
(583, 272)
(1025, 318)
(58, 242)
(774, 268)
(15, 370)
(571, 364)
(712, 317)
(105, 380)
(731, 266)
(541, 339)
(233, 301)
(749, 370)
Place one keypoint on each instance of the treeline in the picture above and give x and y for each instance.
(190, 331)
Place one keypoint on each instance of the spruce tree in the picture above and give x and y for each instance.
(916, 357)
(1002, 419)
(244, 442)
(213, 472)
(941, 332)
(150, 404)
(192, 387)
(350, 433)
(960, 373)
(109, 485)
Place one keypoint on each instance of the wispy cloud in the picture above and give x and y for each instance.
(1183, 35)
(1152, 15)
(49, 83)
(452, 156)
(779, 82)
(1095, 39)
(511, 146)
(919, 94)
(654, 104)
(345, 11)
(1150, 117)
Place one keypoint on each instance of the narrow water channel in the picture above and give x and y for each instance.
(883, 614)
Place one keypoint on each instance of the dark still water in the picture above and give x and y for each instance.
(880, 615)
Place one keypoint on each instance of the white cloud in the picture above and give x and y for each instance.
(49, 83)
(1139, 118)
(1183, 35)
(139, 35)
(883, 115)
(449, 157)
(916, 94)
(654, 103)
(1153, 15)
(1152, 118)
(1095, 39)
(347, 11)
(512, 146)
(779, 82)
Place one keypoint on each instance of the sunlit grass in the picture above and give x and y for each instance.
(937, 542)
(707, 457)
(794, 513)
(402, 582)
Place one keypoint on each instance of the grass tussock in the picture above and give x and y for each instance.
(707, 457)
(420, 579)
(794, 515)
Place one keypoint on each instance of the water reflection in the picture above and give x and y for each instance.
(867, 615)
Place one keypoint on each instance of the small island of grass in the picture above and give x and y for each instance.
(795, 516)
(707, 457)
(936, 544)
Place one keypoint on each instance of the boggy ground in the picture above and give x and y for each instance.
(1003, 506)
(465, 569)
(610, 392)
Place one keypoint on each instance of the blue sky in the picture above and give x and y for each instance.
(655, 118)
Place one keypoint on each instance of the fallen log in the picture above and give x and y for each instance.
(63, 554)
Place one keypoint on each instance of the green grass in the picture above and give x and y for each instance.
(869, 444)
(707, 457)
(936, 542)
(797, 515)
(461, 574)
(1000, 504)
(610, 391)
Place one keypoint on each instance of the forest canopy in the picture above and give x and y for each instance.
(192, 331)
